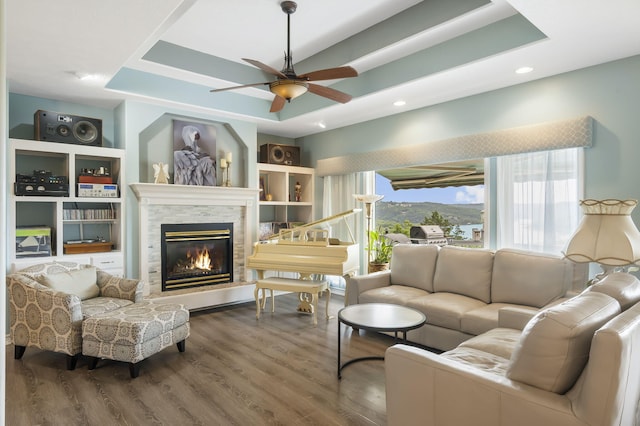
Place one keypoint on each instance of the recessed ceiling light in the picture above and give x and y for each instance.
(524, 70)
(85, 76)
(399, 103)
(322, 125)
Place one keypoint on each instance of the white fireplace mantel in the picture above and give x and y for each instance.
(207, 203)
(158, 193)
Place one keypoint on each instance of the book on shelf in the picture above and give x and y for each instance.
(88, 214)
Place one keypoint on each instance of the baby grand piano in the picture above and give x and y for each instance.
(308, 250)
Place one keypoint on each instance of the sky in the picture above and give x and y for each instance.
(450, 195)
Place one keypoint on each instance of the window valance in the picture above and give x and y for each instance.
(572, 133)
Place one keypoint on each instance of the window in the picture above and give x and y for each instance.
(537, 199)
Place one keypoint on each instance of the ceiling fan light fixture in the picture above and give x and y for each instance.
(288, 89)
(290, 85)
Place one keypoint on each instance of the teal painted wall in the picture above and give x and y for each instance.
(22, 108)
(610, 93)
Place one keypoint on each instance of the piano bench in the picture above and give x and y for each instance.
(305, 288)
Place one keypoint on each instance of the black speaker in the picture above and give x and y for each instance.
(65, 128)
(280, 154)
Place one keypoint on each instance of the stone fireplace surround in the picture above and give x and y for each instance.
(166, 203)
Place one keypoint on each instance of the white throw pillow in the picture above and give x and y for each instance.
(554, 346)
(82, 282)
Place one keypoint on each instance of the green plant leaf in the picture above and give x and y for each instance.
(380, 246)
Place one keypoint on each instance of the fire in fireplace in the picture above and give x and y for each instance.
(196, 254)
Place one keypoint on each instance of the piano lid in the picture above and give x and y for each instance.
(309, 234)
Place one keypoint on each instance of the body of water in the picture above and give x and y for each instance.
(468, 230)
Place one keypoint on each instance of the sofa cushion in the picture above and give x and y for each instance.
(516, 316)
(398, 294)
(100, 305)
(81, 282)
(475, 359)
(445, 309)
(414, 265)
(529, 278)
(623, 287)
(484, 318)
(499, 341)
(554, 346)
(464, 271)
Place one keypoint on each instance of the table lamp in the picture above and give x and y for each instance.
(606, 235)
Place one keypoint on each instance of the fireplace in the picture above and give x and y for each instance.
(196, 254)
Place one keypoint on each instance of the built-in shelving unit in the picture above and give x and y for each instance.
(278, 201)
(68, 217)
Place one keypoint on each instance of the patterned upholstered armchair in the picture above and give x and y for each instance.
(48, 302)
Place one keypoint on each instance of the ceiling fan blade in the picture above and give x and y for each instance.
(327, 92)
(330, 74)
(238, 87)
(264, 67)
(277, 104)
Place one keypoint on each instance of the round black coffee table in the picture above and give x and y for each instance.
(380, 317)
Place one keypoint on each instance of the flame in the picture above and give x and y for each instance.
(201, 260)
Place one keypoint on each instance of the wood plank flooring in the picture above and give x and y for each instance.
(279, 370)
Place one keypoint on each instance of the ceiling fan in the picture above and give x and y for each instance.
(288, 84)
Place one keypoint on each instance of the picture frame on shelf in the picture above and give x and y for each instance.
(265, 231)
(277, 226)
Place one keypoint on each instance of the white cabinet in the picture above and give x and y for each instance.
(84, 224)
(280, 202)
(111, 263)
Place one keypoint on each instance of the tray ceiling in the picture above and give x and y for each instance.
(172, 52)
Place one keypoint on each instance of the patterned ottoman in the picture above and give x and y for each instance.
(134, 333)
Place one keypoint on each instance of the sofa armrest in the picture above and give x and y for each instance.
(36, 312)
(423, 388)
(362, 283)
(120, 288)
(515, 317)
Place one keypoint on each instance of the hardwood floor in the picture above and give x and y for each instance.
(280, 370)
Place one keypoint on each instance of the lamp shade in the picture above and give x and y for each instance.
(606, 235)
(288, 89)
(368, 200)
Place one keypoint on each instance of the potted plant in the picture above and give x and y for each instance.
(380, 248)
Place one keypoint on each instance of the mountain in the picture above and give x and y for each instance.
(389, 212)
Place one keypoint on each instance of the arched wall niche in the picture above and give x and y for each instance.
(156, 145)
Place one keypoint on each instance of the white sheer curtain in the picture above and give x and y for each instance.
(538, 198)
(337, 197)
